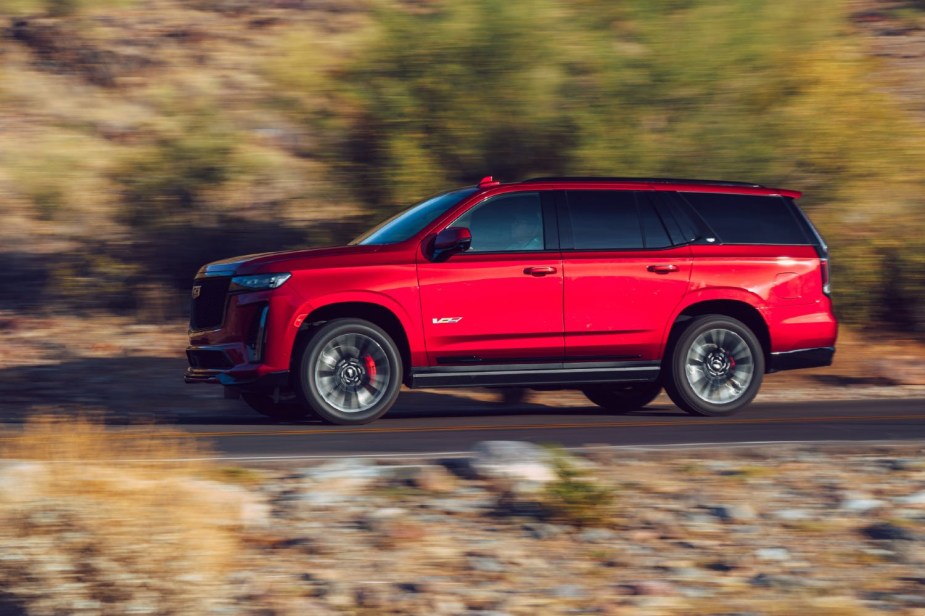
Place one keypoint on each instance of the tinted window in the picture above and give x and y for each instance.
(602, 219)
(404, 225)
(655, 234)
(748, 219)
(674, 212)
(510, 222)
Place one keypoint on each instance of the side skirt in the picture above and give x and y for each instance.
(524, 375)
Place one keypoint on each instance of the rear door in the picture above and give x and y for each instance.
(624, 276)
(501, 300)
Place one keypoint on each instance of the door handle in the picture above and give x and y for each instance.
(539, 270)
(662, 269)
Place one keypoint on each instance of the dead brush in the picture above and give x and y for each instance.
(96, 517)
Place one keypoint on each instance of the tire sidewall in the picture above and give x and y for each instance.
(311, 350)
(677, 385)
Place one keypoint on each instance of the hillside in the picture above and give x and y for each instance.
(141, 138)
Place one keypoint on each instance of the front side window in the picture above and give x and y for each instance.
(512, 222)
(604, 219)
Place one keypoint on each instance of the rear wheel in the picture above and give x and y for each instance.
(623, 398)
(715, 367)
(350, 372)
(264, 404)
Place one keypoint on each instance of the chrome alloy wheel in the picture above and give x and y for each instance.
(719, 366)
(352, 372)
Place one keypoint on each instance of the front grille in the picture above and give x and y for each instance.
(208, 309)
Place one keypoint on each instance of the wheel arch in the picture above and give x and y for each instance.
(737, 309)
(374, 313)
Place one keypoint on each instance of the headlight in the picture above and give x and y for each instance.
(259, 282)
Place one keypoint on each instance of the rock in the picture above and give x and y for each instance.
(777, 554)
(393, 526)
(434, 478)
(792, 515)
(569, 591)
(460, 467)
(859, 505)
(765, 580)
(913, 499)
(347, 475)
(720, 567)
(486, 564)
(652, 588)
(540, 530)
(597, 535)
(21, 481)
(513, 461)
(733, 513)
(887, 531)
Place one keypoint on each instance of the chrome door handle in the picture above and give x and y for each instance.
(662, 269)
(539, 270)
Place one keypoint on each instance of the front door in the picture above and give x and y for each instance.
(500, 301)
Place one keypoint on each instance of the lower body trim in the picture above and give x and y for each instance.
(526, 375)
(802, 358)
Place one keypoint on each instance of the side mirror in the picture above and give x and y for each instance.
(451, 241)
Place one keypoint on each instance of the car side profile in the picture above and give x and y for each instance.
(618, 287)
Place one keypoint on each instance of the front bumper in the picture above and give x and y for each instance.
(802, 358)
(244, 379)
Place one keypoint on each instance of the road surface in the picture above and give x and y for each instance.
(447, 425)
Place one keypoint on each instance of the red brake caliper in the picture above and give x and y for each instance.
(370, 367)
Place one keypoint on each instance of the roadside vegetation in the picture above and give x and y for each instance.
(92, 519)
(140, 144)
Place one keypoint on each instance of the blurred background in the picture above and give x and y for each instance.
(140, 139)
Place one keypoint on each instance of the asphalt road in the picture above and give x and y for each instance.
(446, 425)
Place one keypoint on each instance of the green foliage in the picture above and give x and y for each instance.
(169, 182)
(575, 498)
(57, 8)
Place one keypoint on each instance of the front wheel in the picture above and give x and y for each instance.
(715, 367)
(350, 372)
(624, 398)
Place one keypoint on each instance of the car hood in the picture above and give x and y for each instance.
(267, 262)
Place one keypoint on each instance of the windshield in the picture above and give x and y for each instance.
(405, 224)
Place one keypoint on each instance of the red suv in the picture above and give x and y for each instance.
(614, 286)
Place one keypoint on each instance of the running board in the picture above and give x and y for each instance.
(527, 375)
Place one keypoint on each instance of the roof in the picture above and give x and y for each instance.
(641, 180)
(672, 184)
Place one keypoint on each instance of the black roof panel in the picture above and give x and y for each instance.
(647, 180)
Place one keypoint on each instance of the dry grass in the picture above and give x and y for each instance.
(90, 516)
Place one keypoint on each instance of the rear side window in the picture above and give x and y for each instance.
(748, 219)
(604, 219)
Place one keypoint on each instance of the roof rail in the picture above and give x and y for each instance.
(648, 180)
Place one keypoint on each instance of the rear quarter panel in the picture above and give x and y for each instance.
(784, 283)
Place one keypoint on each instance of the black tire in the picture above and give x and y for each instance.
(284, 410)
(350, 372)
(623, 398)
(714, 367)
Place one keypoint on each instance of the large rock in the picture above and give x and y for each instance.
(21, 481)
(513, 462)
(345, 476)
